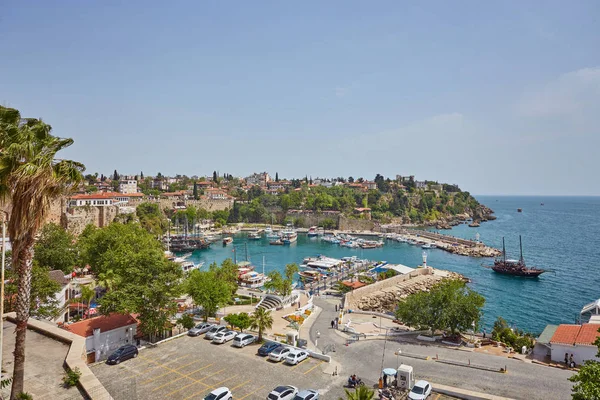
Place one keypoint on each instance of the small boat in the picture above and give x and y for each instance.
(428, 246)
(227, 240)
(413, 242)
(277, 242)
(289, 235)
(519, 210)
(254, 235)
(252, 280)
(310, 275)
(312, 231)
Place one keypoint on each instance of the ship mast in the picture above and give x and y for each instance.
(521, 247)
(503, 250)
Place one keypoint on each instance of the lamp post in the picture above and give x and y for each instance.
(4, 218)
(398, 352)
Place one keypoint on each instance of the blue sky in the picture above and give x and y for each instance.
(500, 98)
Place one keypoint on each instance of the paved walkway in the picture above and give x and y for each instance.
(366, 358)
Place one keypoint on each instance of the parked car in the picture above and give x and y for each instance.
(308, 394)
(221, 393)
(243, 339)
(283, 393)
(200, 329)
(420, 391)
(268, 347)
(279, 353)
(296, 356)
(122, 353)
(222, 337)
(213, 331)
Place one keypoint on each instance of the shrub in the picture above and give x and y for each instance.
(71, 377)
(24, 396)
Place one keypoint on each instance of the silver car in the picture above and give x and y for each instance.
(308, 394)
(214, 330)
(243, 339)
(279, 354)
(200, 329)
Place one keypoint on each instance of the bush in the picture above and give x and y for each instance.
(186, 321)
(24, 396)
(71, 377)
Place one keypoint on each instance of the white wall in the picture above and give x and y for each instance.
(580, 353)
(104, 343)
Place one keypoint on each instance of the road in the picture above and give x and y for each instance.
(366, 358)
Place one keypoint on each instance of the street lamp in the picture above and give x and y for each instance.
(4, 219)
(398, 352)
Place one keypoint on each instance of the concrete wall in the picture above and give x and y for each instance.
(104, 343)
(580, 353)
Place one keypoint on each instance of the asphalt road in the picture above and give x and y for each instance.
(366, 358)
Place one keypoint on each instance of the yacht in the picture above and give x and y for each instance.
(312, 231)
(254, 235)
(289, 235)
(227, 240)
(310, 275)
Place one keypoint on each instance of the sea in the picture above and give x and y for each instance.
(560, 234)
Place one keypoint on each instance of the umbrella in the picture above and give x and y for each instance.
(389, 371)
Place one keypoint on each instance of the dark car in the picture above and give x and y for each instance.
(268, 347)
(122, 353)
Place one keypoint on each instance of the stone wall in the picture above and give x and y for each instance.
(310, 218)
(75, 219)
(352, 224)
(207, 204)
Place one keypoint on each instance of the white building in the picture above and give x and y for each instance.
(105, 334)
(99, 199)
(577, 340)
(261, 179)
(63, 295)
(128, 186)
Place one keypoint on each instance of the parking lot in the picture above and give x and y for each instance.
(190, 367)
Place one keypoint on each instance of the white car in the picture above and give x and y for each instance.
(420, 391)
(213, 331)
(307, 394)
(223, 337)
(296, 356)
(243, 339)
(279, 354)
(221, 393)
(283, 393)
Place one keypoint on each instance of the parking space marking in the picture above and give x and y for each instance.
(438, 396)
(167, 373)
(200, 391)
(314, 367)
(188, 377)
(191, 384)
(296, 366)
(240, 385)
(172, 370)
(149, 361)
(216, 385)
(251, 393)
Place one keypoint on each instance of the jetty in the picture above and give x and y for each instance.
(451, 244)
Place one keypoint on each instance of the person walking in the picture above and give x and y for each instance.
(332, 324)
(571, 361)
(567, 359)
(336, 308)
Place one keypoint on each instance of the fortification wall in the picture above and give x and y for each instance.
(352, 224)
(307, 219)
(207, 204)
(75, 219)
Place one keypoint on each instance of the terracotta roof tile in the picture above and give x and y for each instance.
(588, 334)
(584, 334)
(86, 327)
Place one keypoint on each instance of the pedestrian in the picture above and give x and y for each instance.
(571, 361)
(332, 324)
(567, 359)
(484, 333)
(384, 380)
(336, 308)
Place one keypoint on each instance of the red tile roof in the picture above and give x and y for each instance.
(104, 195)
(354, 285)
(86, 327)
(576, 334)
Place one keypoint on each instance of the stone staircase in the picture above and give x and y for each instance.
(270, 302)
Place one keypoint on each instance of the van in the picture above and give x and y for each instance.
(243, 339)
(122, 353)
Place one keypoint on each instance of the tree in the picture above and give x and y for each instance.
(215, 177)
(186, 321)
(261, 320)
(350, 179)
(142, 175)
(115, 176)
(282, 284)
(360, 393)
(108, 280)
(208, 291)
(587, 380)
(449, 304)
(195, 190)
(241, 321)
(56, 249)
(148, 283)
(31, 177)
(276, 177)
(88, 293)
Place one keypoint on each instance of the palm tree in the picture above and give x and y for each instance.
(87, 294)
(360, 393)
(30, 177)
(261, 320)
(108, 280)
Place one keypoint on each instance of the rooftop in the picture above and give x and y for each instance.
(86, 327)
(572, 335)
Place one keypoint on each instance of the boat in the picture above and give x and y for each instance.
(519, 210)
(289, 235)
(276, 242)
(312, 231)
(252, 279)
(428, 246)
(310, 275)
(254, 235)
(515, 267)
(227, 240)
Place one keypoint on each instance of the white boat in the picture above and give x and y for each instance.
(310, 275)
(254, 235)
(428, 246)
(289, 235)
(252, 279)
(312, 231)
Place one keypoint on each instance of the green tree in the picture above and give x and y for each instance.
(56, 248)
(276, 177)
(587, 380)
(115, 176)
(88, 293)
(31, 177)
(449, 304)
(195, 191)
(108, 280)
(148, 283)
(186, 321)
(360, 393)
(208, 291)
(241, 321)
(261, 320)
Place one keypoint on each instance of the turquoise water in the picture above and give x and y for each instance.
(562, 236)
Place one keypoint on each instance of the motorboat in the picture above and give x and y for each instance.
(254, 235)
(312, 232)
(310, 275)
(227, 240)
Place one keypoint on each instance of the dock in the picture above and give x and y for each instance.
(451, 244)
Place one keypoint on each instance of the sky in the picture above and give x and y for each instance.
(497, 97)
